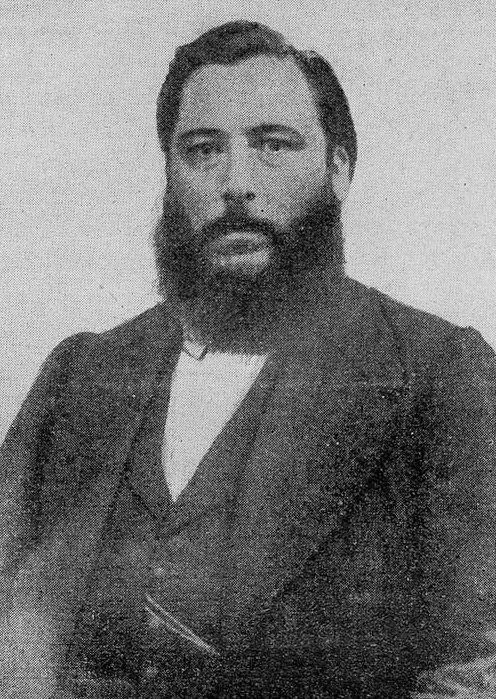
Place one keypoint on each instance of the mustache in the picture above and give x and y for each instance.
(237, 222)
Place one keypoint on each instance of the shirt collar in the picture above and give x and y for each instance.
(195, 349)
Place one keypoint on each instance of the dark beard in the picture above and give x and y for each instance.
(236, 312)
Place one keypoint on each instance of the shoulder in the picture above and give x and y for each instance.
(140, 333)
(418, 339)
(89, 363)
(424, 335)
(411, 324)
(142, 328)
(88, 358)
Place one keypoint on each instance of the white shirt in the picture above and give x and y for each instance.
(207, 388)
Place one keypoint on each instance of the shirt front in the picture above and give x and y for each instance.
(207, 387)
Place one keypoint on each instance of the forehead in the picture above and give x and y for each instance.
(260, 89)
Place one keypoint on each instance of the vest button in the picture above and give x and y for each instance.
(150, 672)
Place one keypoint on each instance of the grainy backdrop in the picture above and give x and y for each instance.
(82, 173)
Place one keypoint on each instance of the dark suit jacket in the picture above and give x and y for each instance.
(363, 548)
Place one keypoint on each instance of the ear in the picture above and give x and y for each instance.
(339, 172)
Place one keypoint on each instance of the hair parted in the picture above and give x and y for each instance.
(236, 41)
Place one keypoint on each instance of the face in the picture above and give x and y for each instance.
(247, 159)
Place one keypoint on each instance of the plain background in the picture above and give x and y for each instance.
(82, 173)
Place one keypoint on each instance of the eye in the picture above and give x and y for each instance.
(202, 150)
(202, 153)
(273, 145)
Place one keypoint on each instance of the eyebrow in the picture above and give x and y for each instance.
(257, 130)
(278, 128)
(195, 133)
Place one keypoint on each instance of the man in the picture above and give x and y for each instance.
(276, 483)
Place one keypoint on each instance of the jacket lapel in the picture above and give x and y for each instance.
(145, 475)
(317, 447)
(108, 404)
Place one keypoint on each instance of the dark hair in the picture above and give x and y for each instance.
(235, 41)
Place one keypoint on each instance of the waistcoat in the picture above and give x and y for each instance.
(176, 551)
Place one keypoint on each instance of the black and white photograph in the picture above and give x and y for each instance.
(248, 333)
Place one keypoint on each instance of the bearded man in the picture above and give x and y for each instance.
(275, 483)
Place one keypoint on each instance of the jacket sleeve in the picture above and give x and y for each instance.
(460, 522)
(19, 467)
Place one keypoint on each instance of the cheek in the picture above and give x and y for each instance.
(289, 193)
(197, 198)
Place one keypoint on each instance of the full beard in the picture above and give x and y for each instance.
(236, 312)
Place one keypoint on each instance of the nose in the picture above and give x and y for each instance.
(238, 176)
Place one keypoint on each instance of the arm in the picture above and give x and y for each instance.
(19, 467)
(460, 586)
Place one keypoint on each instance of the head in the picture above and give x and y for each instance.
(260, 149)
